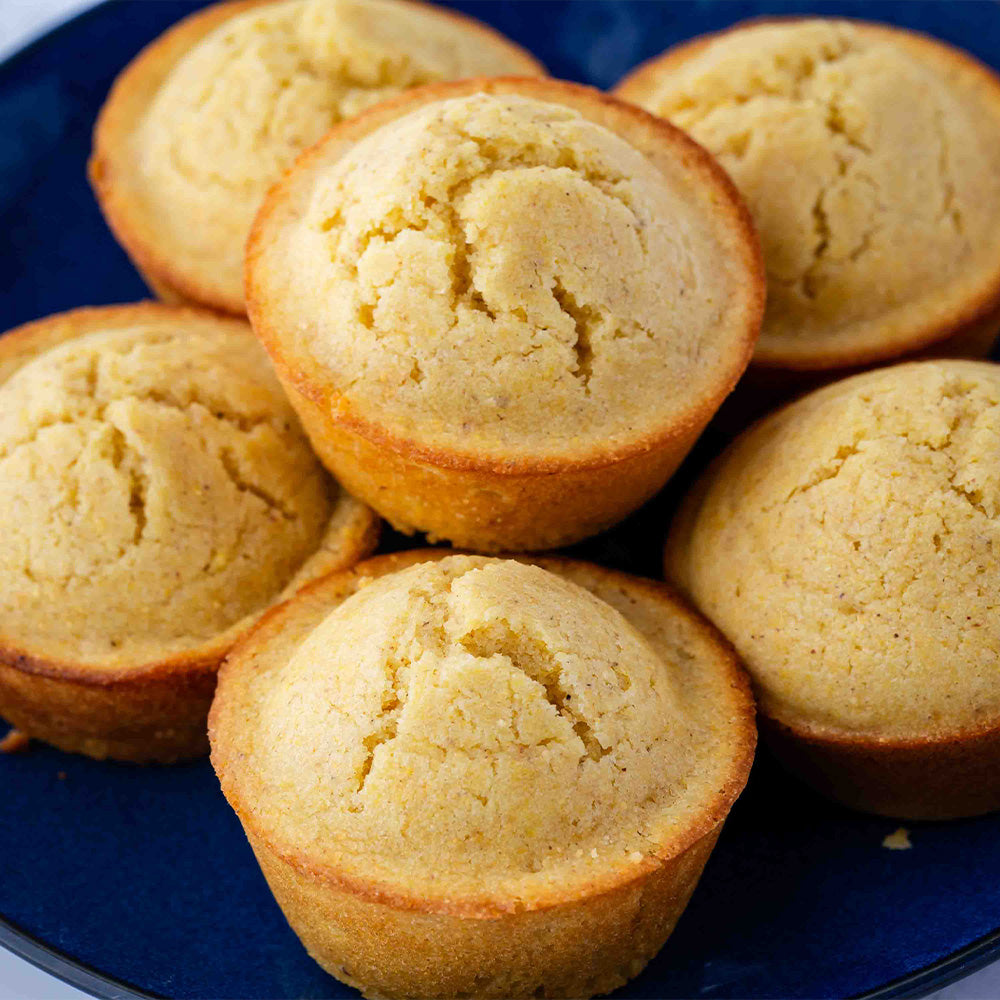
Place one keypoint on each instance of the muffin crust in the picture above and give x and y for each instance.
(138, 468)
(208, 117)
(498, 306)
(877, 215)
(529, 705)
(479, 740)
(846, 546)
(499, 274)
(160, 495)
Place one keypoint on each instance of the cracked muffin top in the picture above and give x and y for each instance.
(870, 160)
(206, 119)
(847, 547)
(157, 487)
(507, 269)
(476, 728)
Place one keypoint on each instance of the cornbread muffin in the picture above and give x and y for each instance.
(505, 309)
(206, 118)
(157, 494)
(870, 159)
(476, 777)
(847, 547)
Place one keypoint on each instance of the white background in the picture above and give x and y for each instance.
(20, 21)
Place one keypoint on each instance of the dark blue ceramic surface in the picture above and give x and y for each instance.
(143, 874)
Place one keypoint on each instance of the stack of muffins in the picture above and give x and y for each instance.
(500, 309)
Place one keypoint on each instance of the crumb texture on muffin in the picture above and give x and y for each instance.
(499, 274)
(871, 167)
(157, 488)
(476, 727)
(847, 547)
(234, 111)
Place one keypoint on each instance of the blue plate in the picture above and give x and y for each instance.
(138, 881)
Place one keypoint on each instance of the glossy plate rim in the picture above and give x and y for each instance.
(920, 983)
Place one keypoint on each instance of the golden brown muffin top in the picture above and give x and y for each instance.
(503, 276)
(156, 485)
(870, 160)
(476, 727)
(847, 547)
(233, 110)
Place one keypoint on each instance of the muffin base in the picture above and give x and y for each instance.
(949, 777)
(488, 509)
(576, 949)
(141, 719)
